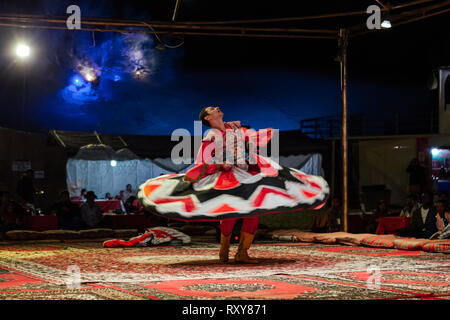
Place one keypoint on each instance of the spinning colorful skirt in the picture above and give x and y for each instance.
(211, 192)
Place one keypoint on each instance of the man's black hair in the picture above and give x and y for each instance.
(445, 203)
(65, 192)
(91, 193)
(202, 116)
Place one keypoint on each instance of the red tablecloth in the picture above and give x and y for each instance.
(390, 224)
(41, 223)
(105, 205)
(128, 221)
(137, 205)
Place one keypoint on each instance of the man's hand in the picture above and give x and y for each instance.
(439, 223)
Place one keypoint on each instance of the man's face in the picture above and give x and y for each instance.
(426, 198)
(214, 113)
(409, 203)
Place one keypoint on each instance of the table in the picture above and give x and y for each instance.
(105, 205)
(391, 224)
(127, 221)
(41, 223)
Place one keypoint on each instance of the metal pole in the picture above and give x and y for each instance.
(24, 90)
(343, 42)
(175, 11)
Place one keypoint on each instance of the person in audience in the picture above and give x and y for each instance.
(67, 212)
(12, 215)
(423, 220)
(444, 172)
(334, 214)
(129, 192)
(371, 221)
(410, 207)
(443, 195)
(91, 214)
(81, 196)
(330, 221)
(441, 209)
(417, 177)
(129, 197)
(442, 221)
(25, 187)
(108, 196)
(120, 196)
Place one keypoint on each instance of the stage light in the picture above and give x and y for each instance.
(113, 163)
(90, 77)
(386, 24)
(435, 152)
(117, 78)
(22, 50)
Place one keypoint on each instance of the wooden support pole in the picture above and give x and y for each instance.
(343, 42)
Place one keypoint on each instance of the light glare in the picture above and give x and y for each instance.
(23, 50)
(386, 24)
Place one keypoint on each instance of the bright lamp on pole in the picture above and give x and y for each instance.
(22, 50)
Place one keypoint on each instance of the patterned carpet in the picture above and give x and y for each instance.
(48, 270)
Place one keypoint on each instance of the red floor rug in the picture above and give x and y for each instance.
(286, 271)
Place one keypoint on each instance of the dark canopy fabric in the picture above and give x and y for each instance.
(291, 143)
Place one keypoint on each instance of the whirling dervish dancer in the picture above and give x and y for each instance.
(230, 180)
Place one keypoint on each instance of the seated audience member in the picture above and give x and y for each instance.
(410, 207)
(423, 220)
(444, 196)
(371, 221)
(68, 213)
(441, 208)
(120, 196)
(81, 196)
(91, 214)
(25, 187)
(129, 192)
(442, 221)
(12, 215)
(129, 205)
(108, 196)
(444, 172)
(417, 177)
(129, 196)
(334, 214)
(328, 222)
